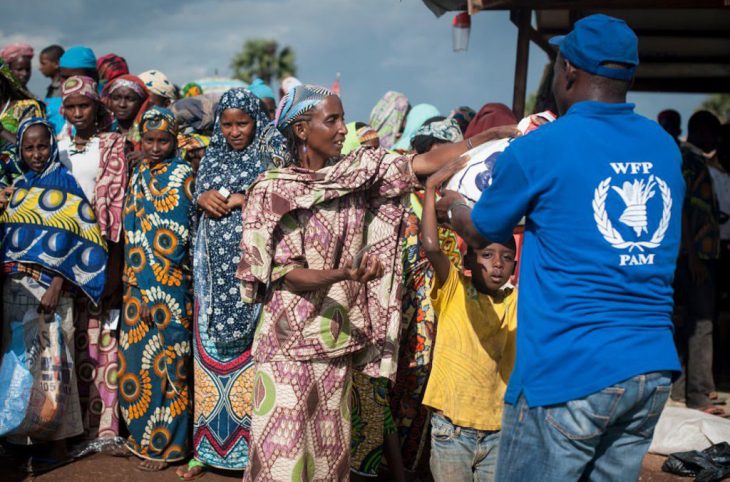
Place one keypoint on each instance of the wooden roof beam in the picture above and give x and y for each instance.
(598, 4)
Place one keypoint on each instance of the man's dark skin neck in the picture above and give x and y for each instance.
(572, 85)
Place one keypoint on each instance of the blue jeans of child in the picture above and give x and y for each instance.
(461, 454)
(602, 437)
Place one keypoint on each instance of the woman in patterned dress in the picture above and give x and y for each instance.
(154, 344)
(321, 250)
(96, 160)
(224, 325)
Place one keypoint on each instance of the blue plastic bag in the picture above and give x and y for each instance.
(37, 353)
(16, 381)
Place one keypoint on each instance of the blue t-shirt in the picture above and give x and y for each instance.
(601, 189)
(53, 113)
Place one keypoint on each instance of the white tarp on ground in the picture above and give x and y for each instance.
(683, 429)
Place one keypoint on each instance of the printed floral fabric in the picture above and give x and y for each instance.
(155, 359)
(320, 220)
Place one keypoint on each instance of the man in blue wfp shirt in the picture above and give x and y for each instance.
(601, 190)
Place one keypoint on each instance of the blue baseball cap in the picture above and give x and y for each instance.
(598, 39)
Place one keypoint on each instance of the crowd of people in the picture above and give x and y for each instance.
(235, 283)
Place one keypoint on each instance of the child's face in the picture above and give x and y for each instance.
(49, 66)
(36, 147)
(158, 145)
(491, 267)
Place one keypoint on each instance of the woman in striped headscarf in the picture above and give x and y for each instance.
(321, 250)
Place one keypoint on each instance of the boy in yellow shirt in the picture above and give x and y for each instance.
(474, 352)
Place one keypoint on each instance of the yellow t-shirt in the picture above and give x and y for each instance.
(474, 353)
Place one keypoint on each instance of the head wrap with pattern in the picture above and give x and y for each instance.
(158, 119)
(463, 116)
(388, 116)
(300, 100)
(17, 90)
(86, 86)
(158, 83)
(191, 89)
(15, 51)
(446, 130)
(111, 66)
(416, 118)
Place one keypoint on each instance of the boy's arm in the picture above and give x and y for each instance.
(429, 224)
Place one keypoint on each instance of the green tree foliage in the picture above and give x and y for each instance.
(264, 59)
(718, 104)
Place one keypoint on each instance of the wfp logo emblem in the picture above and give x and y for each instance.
(636, 194)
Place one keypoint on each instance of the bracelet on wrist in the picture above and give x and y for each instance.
(455, 204)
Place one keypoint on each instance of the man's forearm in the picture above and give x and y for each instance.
(464, 227)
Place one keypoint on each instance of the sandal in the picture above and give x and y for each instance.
(192, 465)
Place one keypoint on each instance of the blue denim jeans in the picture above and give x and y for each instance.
(461, 454)
(602, 437)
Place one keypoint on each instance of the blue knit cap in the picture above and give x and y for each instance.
(78, 57)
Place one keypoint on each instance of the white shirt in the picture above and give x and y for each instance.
(721, 186)
(84, 165)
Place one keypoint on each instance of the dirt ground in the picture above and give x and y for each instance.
(120, 469)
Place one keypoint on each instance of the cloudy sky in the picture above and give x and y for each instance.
(377, 45)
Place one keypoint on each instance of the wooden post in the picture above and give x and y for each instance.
(523, 19)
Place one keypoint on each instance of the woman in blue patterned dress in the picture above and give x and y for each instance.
(224, 325)
(154, 346)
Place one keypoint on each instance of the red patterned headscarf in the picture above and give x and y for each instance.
(111, 66)
(137, 86)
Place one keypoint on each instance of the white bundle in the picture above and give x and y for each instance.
(476, 176)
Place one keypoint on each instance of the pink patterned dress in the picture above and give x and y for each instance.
(307, 344)
(95, 338)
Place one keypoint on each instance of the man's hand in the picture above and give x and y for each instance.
(443, 204)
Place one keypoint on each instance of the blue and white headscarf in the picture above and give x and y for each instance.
(300, 100)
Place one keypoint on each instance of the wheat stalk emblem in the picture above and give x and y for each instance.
(635, 195)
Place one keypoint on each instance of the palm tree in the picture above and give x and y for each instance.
(262, 58)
